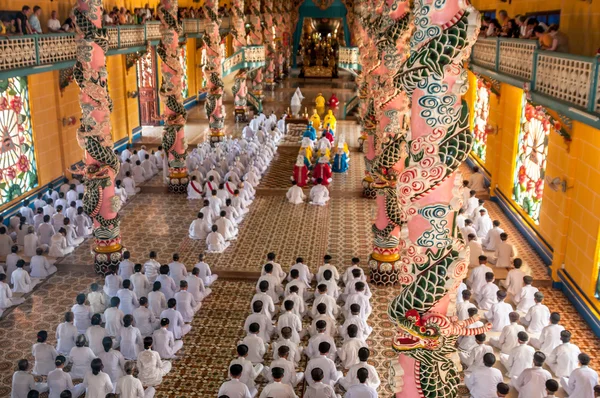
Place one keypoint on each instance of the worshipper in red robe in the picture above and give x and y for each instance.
(322, 170)
(300, 172)
(329, 134)
(333, 101)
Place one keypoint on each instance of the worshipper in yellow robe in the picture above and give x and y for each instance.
(307, 152)
(320, 104)
(330, 120)
(316, 119)
(323, 151)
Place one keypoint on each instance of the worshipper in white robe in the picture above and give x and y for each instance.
(582, 380)
(126, 266)
(472, 205)
(532, 382)
(204, 271)
(144, 319)
(196, 286)
(97, 299)
(150, 169)
(129, 185)
(26, 212)
(186, 303)
(474, 358)
(31, 243)
(80, 358)
(312, 349)
(538, 316)
(514, 279)
(97, 383)
(138, 173)
(264, 323)
(319, 194)
(49, 208)
(364, 330)
(525, 299)
(492, 239)
(58, 244)
(215, 242)
(226, 227)
(194, 189)
(275, 289)
(113, 318)
(330, 374)
(6, 242)
(151, 367)
(130, 387)
(289, 319)
(45, 231)
(268, 307)
(58, 218)
(467, 343)
(38, 219)
(249, 371)
(44, 355)
(40, 266)
(120, 191)
(176, 323)
(82, 314)
(126, 154)
(83, 224)
(199, 228)
(462, 308)
(295, 195)
(23, 382)
(159, 157)
(362, 389)
(482, 381)
(498, 314)
(256, 345)
(234, 388)
(330, 322)
(483, 224)
(550, 337)
(351, 377)
(58, 381)
(487, 296)
(129, 339)
(152, 267)
(319, 389)
(168, 286)
(348, 353)
(277, 388)
(505, 253)
(164, 341)
(564, 358)
(477, 181)
(71, 211)
(6, 295)
(127, 297)
(177, 270)
(520, 357)
(113, 360)
(290, 376)
(21, 280)
(358, 298)
(112, 284)
(95, 334)
(476, 279)
(157, 300)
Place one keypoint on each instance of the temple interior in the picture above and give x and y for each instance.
(451, 143)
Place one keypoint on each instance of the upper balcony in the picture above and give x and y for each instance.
(249, 57)
(566, 82)
(20, 55)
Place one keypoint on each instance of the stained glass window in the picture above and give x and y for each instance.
(183, 61)
(17, 160)
(482, 112)
(530, 167)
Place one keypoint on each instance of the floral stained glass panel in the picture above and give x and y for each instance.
(17, 160)
(185, 92)
(532, 152)
(482, 112)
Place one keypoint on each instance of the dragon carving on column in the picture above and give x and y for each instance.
(256, 39)
(175, 115)
(434, 254)
(269, 43)
(279, 21)
(94, 135)
(239, 89)
(213, 72)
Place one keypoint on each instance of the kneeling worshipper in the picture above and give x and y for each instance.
(300, 175)
(319, 194)
(320, 104)
(310, 132)
(322, 171)
(58, 244)
(324, 148)
(330, 120)
(215, 242)
(295, 194)
(151, 367)
(6, 298)
(333, 101)
(199, 228)
(340, 160)
(194, 189)
(315, 119)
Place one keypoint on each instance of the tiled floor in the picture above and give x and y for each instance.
(155, 221)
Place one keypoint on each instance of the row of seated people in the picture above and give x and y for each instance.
(336, 334)
(138, 333)
(525, 336)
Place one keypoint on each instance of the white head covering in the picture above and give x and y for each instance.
(323, 159)
(300, 161)
(299, 93)
(296, 100)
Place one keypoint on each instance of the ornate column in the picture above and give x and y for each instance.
(256, 39)
(213, 73)
(175, 115)
(388, 150)
(94, 135)
(434, 254)
(238, 31)
(269, 44)
(279, 22)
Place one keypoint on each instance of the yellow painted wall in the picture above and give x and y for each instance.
(580, 20)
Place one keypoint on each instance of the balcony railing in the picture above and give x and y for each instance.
(18, 52)
(249, 57)
(349, 58)
(568, 78)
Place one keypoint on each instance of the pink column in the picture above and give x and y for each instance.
(175, 115)
(239, 88)
(94, 135)
(269, 43)
(213, 72)
(434, 256)
(256, 39)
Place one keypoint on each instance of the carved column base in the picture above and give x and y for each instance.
(107, 258)
(240, 114)
(368, 191)
(361, 143)
(384, 268)
(216, 135)
(178, 182)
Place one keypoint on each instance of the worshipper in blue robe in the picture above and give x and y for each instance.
(340, 161)
(310, 132)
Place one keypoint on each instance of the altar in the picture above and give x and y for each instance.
(319, 48)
